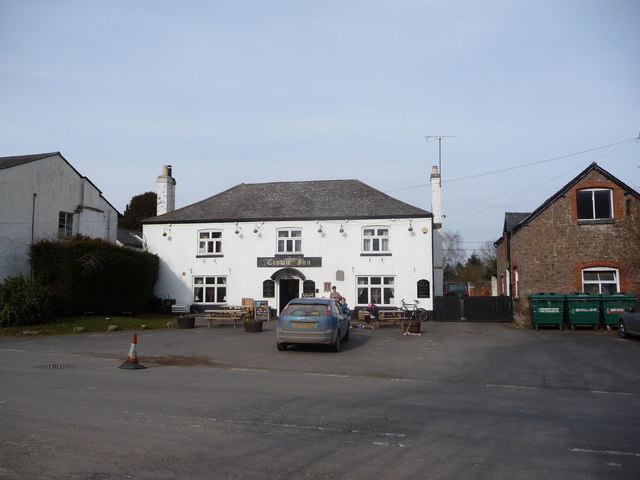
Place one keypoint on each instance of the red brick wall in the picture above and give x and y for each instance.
(551, 251)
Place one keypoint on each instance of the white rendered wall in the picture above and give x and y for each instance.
(411, 258)
(58, 187)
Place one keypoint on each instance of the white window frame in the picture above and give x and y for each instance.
(210, 242)
(379, 289)
(65, 224)
(593, 191)
(600, 282)
(507, 278)
(209, 289)
(375, 239)
(289, 241)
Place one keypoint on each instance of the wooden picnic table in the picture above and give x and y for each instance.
(390, 316)
(225, 314)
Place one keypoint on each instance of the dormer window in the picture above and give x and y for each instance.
(594, 204)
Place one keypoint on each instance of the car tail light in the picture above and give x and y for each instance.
(446, 290)
(328, 310)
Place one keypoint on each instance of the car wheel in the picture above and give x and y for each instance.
(282, 347)
(622, 331)
(336, 345)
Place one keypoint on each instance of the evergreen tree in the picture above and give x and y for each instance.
(138, 209)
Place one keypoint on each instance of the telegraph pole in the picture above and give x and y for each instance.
(439, 137)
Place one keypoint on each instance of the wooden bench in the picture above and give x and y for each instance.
(230, 314)
(384, 316)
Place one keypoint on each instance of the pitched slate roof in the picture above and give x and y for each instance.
(8, 162)
(131, 238)
(512, 219)
(312, 200)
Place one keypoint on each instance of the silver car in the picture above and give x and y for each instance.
(629, 322)
(312, 320)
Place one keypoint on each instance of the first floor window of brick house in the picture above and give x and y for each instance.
(289, 240)
(600, 280)
(209, 242)
(209, 289)
(594, 203)
(65, 224)
(375, 289)
(375, 240)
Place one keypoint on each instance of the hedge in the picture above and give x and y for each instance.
(92, 275)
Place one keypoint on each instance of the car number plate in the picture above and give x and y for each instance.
(303, 324)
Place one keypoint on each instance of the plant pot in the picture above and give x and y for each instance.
(413, 327)
(254, 326)
(186, 322)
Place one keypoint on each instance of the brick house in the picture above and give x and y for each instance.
(582, 239)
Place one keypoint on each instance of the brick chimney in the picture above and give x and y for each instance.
(166, 190)
(436, 206)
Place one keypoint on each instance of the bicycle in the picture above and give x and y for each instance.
(414, 312)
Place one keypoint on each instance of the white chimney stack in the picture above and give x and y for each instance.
(166, 191)
(436, 205)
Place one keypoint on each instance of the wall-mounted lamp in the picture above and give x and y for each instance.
(319, 226)
(410, 226)
(237, 232)
(166, 231)
(341, 229)
(255, 229)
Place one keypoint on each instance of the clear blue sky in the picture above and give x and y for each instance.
(259, 91)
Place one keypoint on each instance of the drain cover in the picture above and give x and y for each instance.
(55, 366)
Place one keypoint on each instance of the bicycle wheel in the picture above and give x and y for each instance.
(421, 315)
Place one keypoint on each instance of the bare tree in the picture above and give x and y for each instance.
(452, 250)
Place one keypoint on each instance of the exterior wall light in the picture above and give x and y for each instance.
(341, 229)
(410, 226)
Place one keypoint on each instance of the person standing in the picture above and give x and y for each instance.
(335, 295)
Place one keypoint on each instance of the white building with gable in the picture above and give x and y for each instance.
(43, 197)
(282, 240)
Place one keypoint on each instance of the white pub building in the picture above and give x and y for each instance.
(283, 240)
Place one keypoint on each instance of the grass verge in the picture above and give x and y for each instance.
(90, 323)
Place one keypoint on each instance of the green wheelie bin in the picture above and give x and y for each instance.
(613, 304)
(583, 309)
(547, 309)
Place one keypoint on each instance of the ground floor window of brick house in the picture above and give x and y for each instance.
(600, 280)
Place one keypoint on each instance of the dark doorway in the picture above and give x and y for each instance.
(289, 289)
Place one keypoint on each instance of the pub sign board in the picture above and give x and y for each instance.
(290, 262)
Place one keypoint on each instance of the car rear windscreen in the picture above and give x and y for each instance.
(307, 309)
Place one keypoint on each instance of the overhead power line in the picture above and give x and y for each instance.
(621, 144)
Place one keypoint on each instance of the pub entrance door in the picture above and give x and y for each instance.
(289, 289)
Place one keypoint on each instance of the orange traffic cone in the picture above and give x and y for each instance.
(132, 360)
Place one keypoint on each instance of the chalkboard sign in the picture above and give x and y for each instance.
(261, 309)
(423, 289)
(268, 289)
